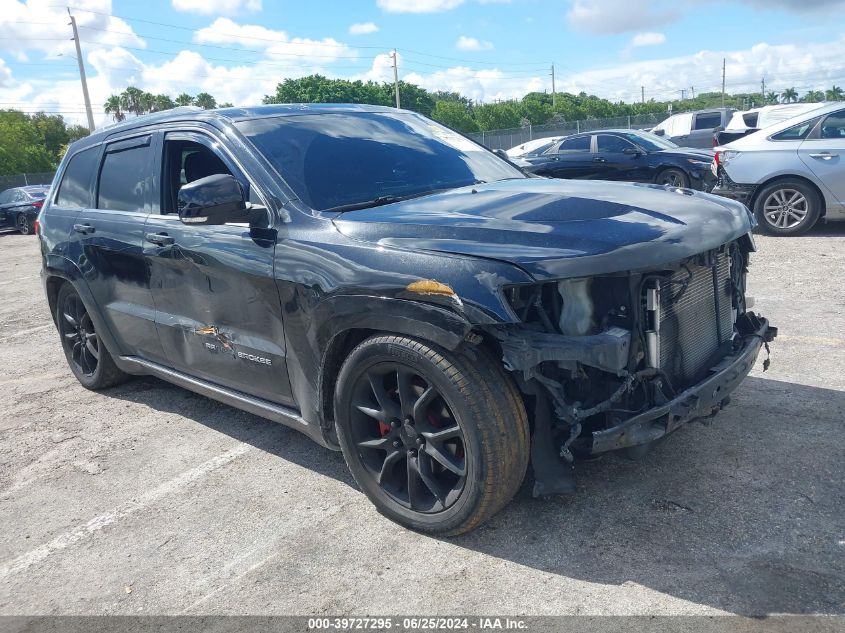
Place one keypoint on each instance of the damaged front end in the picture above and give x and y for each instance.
(619, 361)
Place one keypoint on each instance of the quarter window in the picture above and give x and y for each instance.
(75, 186)
(796, 132)
(123, 178)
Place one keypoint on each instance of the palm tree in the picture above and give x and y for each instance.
(771, 97)
(789, 95)
(162, 102)
(228, 104)
(834, 94)
(146, 102)
(813, 96)
(112, 107)
(131, 100)
(205, 101)
(184, 99)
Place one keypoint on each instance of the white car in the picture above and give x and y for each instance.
(790, 174)
(530, 146)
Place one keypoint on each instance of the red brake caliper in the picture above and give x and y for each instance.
(383, 428)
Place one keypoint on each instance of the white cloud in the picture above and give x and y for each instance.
(5, 73)
(805, 66)
(465, 43)
(649, 38)
(363, 28)
(604, 17)
(276, 44)
(418, 6)
(217, 7)
(51, 33)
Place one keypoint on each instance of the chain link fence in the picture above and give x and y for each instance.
(22, 180)
(505, 139)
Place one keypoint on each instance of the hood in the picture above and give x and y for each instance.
(556, 228)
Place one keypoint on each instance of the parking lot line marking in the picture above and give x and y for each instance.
(63, 541)
(811, 339)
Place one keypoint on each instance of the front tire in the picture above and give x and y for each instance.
(787, 208)
(438, 442)
(673, 178)
(88, 358)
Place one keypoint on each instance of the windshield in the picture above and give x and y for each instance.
(351, 158)
(649, 141)
(37, 194)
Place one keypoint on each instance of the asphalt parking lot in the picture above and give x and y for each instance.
(147, 499)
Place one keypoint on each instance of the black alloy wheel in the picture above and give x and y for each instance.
(23, 225)
(408, 438)
(673, 178)
(436, 439)
(88, 358)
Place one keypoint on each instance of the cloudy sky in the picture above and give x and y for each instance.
(238, 50)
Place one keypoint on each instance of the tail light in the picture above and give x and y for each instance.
(36, 227)
(37, 203)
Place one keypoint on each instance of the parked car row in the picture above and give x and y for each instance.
(19, 207)
(626, 155)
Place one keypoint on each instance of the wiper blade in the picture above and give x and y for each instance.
(380, 200)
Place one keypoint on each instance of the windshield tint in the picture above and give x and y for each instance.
(651, 142)
(349, 158)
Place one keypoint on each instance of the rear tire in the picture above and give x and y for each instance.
(88, 358)
(438, 442)
(23, 224)
(787, 208)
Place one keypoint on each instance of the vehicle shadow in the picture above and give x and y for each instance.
(743, 514)
(265, 435)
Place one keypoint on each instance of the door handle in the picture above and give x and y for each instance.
(162, 239)
(824, 155)
(598, 159)
(85, 229)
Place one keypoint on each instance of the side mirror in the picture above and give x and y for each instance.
(632, 151)
(502, 154)
(216, 199)
(659, 132)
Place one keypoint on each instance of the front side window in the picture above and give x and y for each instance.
(352, 158)
(6, 196)
(650, 142)
(123, 178)
(75, 186)
(186, 161)
(613, 144)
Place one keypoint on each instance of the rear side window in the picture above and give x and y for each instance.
(613, 144)
(75, 186)
(123, 176)
(708, 121)
(579, 144)
(834, 126)
(796, 132)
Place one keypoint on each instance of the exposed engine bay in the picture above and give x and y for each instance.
(619, 361)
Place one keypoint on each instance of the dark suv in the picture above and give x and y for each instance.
(393, 290)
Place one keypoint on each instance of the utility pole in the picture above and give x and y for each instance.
(82, 73)
(396, 79)
(642, 93)
(554, 99)
(763, 88)
(723, 81)
(692, 92)
(683, 93)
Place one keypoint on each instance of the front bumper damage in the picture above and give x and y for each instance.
(727, 188)
(609, 351)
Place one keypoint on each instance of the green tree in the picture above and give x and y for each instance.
(163, 102)
(834, 94)
(454, 114)
(227, 104)
(22, 145)
(813, 96)
(184, 99)
(789, 95)
(771, 98)
(114, 107)
(205, 101)
(132, 100)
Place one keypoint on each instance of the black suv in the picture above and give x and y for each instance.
(393, 290)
